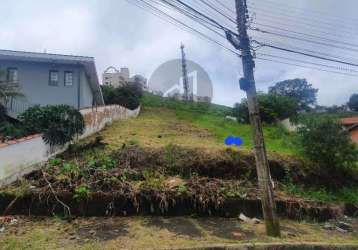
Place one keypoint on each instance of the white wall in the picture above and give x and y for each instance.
(19, 157)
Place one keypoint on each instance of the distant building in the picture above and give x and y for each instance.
(351, 124)
(118, 78)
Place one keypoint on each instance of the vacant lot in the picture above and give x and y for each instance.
(157, 127)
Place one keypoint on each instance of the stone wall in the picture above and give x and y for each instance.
(21, 156)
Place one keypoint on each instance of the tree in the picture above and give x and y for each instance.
(127, 96)
(324, 141)
(298, 89)
(273, 108)
(353, 102)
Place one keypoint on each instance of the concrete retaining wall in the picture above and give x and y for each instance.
(97, 119)
(21, 156)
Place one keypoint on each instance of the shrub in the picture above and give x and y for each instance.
(323, 140)
(127, 96)
(12, 130)
(273, 107)
(58, 123)
(2, 113)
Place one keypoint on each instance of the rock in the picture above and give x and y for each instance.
(92, 232)
(328, 226)
(249, 220)
(244, 218)
(341, 230)
(13, 222)
(2, 229)
(344, 226)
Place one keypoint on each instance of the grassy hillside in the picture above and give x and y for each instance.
(211, 118)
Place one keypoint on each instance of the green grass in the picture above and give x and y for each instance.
(212, 118)
(344, 194)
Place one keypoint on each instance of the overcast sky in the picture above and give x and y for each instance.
(120, 34)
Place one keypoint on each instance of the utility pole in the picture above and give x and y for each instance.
(185, 74)
(248, 84)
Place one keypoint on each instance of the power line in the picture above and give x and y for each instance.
(304, 39)
(325, 15)
(187, 27)
(304, 26)
(196, 32)
(205, 17)
(305, 50)
(210, 12)
(299, 17)
(216, 10)
(307, 54)
(302, 66)
(305, 34)
(308, 62)
(303, 21)
(225, 6)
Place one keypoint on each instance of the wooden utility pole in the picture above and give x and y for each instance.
(248, 84)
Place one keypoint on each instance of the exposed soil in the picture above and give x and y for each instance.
(116, 204)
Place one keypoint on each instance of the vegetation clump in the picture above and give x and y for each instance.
(324, 141)
(273, 108)
(297, 89)
(58, 123)
(127, 96)
(353, 102)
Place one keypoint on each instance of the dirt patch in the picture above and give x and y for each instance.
(106, 229)
(230, 229)
(177, 225)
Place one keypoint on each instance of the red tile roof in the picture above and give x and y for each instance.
(349, 121)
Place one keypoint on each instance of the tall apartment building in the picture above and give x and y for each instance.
(118, 78)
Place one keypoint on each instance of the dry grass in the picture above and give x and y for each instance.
(155, 233)
(157, 128)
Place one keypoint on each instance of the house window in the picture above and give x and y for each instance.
(12, 75)
(68, 78)
(53, 80)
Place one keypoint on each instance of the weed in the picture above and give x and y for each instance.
(233, 191)
(108, 162)
(81, 193)
(181, 189)
(153, 179)
(54, 162)
(69, 168)
(345, 194)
